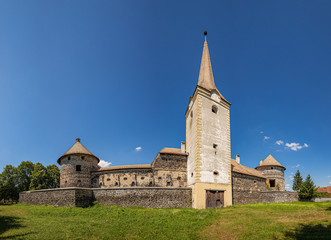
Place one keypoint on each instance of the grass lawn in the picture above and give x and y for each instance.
(297, 220)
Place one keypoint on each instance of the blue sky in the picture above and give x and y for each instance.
(119, 76)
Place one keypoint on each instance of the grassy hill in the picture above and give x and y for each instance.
(297, 220)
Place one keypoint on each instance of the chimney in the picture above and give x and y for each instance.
(260, 161)
(238, 158)
(182, 147)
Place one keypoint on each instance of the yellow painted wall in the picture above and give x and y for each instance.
(199, 194)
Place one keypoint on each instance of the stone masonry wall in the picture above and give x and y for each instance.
(168, 170)
(246, 189)
(145, 197)
(278, 196)
(69, 197)
(124, 197)
(274, 173)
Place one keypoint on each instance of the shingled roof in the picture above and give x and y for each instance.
(206, 77)
(77, 148)
(172, 151)
(238, 168)
(270, 161)
(135, 166)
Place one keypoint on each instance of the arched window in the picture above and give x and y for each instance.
(214, 109)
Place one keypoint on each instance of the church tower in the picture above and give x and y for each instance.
(208, 141)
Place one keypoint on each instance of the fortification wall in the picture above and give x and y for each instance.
(247, 189)
(60, 197)
(124, 197)
(264, 197)
(145, 197)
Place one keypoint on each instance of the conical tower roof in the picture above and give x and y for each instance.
(206, 77)
(77, 148)
(270, 161)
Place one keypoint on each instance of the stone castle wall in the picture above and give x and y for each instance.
(246, 189)
(124, 197)
(276, 173)
(70, 177)
(60, 197)
(168, 170)
(145, 197)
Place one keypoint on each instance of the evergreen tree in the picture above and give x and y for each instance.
(307, 189)
(297, 181)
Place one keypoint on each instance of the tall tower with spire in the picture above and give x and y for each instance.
(208, 141)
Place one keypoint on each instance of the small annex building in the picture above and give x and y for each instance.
(199, 174)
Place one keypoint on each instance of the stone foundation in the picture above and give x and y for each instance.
(124, 197)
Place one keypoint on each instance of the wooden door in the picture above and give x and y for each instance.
(214, 199)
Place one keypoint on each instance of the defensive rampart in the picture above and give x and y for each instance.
(245, 197)
(124, 197)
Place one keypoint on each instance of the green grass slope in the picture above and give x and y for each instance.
(255, 221)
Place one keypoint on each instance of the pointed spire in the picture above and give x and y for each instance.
(206, 78)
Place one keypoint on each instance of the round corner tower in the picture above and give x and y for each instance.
(76, 166)
(274, 172)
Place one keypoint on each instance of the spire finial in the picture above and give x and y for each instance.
(205, 32)
(77, 139)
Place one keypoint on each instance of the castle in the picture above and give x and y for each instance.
(199, 174)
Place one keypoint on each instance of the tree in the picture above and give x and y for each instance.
(53, 176)
(39, 177)
(297, 181)
(9, 183)
(307, 189)
(25, 170)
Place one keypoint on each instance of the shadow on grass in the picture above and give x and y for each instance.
(305, 231)
(328, 209)
(7, 223)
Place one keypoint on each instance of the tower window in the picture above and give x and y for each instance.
(82, 157)
(133, 184)
(125, 178)
(272, 183)
(108, 179)
(192, 114)
(215, 173)
(214, 145)
(142, 178)
(68, 158)
(214, 109)
(78, 168)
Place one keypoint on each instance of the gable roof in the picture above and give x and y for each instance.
(270, 161)
(77, 148)
(238, 168)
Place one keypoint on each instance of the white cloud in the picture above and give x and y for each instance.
(287, 186)
(296, 146)
(330, 182)
(329, 176)
(261, 132)
(291, 178)
(279, 142)
(138, 149)
(104, 163)
(298, 165)
(266, 137)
